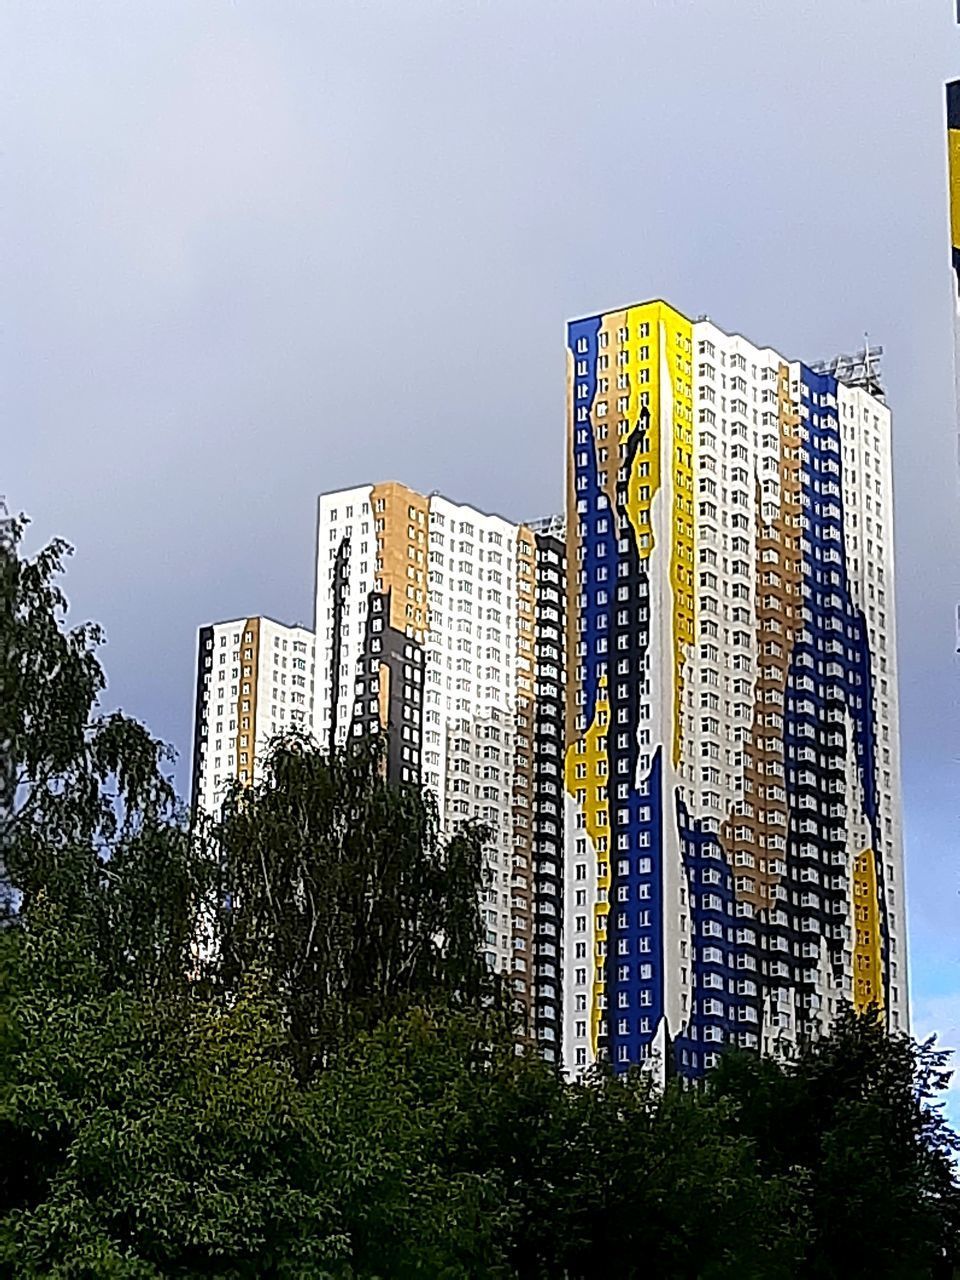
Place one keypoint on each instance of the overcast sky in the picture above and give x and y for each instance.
(252, 251)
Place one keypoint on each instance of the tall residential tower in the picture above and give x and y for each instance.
(254, 680)
(733, 860)
(441, 627)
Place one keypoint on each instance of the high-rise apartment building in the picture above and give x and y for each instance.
(434, 624)
(733, 858)
(255, 679)
(953, 197)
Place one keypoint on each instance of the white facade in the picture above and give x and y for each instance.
(255, 680)
(454, 569)
(470, 691)
(728, 463)
(867, 457)
(344, 514)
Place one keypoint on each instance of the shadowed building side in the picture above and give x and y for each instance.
(428, 618)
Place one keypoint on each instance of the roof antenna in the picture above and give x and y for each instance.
(872, 379)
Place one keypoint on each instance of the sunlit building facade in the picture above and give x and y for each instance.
(255, 681)
(435, 627)
(734, 850)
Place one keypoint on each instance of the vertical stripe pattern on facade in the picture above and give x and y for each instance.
(255, 682)
(730, 850)
(427, 624)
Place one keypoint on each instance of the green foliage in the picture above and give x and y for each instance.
(266, 1046)
(854, 1112)
(72, 781)
(340, 886)
(398, 1108)
(142, 1139)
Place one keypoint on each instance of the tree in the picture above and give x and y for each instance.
(614, 1176)
(73, 781)
(853, 1113)
(334, 1088)
(457, 1156)
(144, 1138)
(339, 883)
(397, 1109)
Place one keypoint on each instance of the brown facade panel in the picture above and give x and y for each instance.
(246, 738)
(764, 817)
(522, 879)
